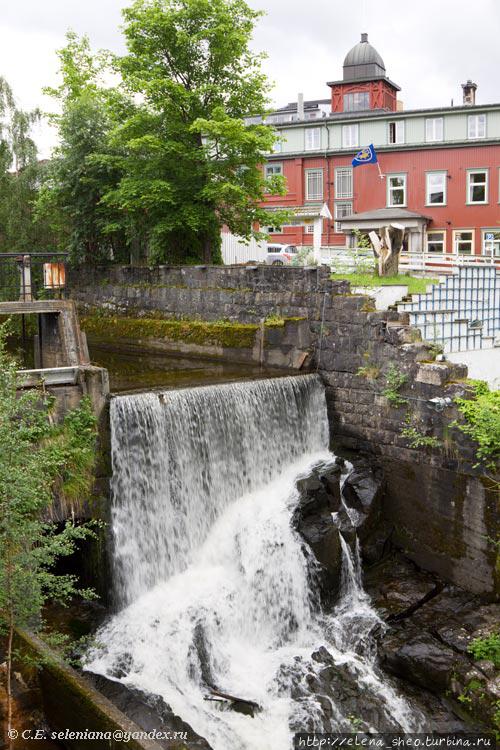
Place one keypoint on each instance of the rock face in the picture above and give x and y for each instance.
(337, 499)
(150, 712)
(319, 497)
(431, 628)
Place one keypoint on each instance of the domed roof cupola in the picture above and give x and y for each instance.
(363, 62)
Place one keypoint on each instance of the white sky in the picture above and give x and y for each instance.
(429, 47)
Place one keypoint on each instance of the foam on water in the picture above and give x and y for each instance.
(213, 580)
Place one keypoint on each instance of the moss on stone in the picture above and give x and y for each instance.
(203, 333)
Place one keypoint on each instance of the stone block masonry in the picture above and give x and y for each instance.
(386, 394)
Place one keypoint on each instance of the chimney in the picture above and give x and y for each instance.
(300, 106)
(469, 90)
(364, 37)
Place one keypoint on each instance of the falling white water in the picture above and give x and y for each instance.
(215, 579)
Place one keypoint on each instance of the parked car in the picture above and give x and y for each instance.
(280, 255)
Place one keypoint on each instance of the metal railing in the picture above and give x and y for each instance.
(31, 276)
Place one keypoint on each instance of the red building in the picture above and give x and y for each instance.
(441, 167)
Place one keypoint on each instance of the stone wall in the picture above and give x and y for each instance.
(242, 293)
(441, 510)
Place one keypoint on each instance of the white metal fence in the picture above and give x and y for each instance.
(236, 250)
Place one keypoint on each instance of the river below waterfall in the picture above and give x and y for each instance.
(215, 589)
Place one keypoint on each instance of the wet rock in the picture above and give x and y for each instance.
(320, 497)
(149, 712)
(395, 585)
(420, 659)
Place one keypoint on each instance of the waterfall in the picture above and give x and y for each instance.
(213, 581)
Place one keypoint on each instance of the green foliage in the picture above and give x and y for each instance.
(85, 166)
(360, 279)
(20, 175)
(482, 422)
(417, 439)
(156, 165)
(486, 648)
(395, 380)
(275, 321)
(30, 470)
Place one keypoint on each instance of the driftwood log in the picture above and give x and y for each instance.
(387, 244)
(242, 705)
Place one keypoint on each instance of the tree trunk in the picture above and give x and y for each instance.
(387, 246)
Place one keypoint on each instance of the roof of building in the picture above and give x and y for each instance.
(385, 214)
(363, 61)
(363, 53)
(311, 104)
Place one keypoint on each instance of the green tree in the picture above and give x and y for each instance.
(34, 459)
(20, 175)
(190, 161)
(82, 171)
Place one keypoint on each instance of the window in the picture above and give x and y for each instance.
(273, 169)
(396, 190)
(463, 242)
(343, 182)
(342, 210)
(434, 130)
(476, 126)
(436, 242)
(356, 102)
(309, 228)
(314, 184)
(312, 139)
(272, 230)
(350, 135)
(491, 242)
(435, 188)
(477, 186)
(397, 131)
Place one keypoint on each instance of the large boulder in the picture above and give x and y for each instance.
(319, 497)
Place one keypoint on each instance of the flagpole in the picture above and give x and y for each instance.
(382, 176)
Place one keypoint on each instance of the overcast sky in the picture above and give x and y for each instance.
(429, 47)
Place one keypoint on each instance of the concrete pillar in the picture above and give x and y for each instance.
(318, 227)
(51, 341)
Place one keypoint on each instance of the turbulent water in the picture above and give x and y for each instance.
(213, 581)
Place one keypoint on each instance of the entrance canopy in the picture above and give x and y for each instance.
(413, 223)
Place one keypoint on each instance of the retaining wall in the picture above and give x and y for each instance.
(443, 511)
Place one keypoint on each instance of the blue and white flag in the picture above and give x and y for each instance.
(365, 156)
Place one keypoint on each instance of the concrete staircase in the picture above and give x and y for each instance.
(460, 313)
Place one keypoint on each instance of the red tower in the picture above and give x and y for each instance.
(365, 85)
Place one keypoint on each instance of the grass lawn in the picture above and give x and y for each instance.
(415, 286)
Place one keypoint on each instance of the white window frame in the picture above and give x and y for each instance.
(312, 139)
(366, 99)
(430, 174)
(456, 240)
(470, 185)
(343, 204)
(431, 135)
(390, 190)
(309, 228)
(399, 132)
(273, 166)
(428, 241)
(492, 253)
(308, 173)
(340, 174)
(351, 141)
(474, 131)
